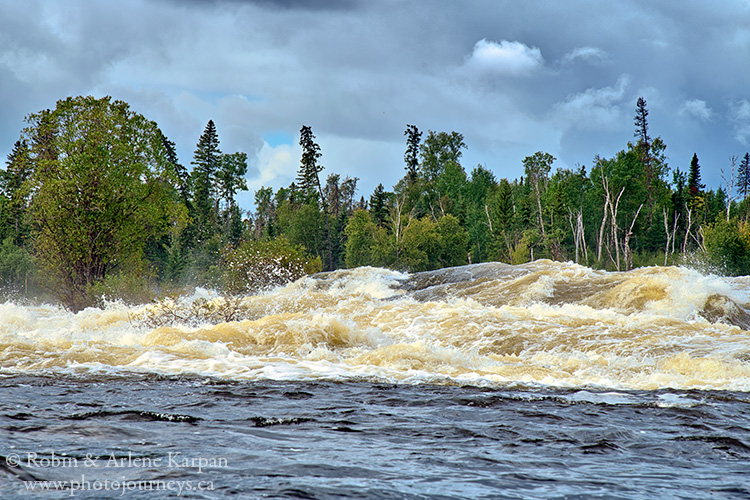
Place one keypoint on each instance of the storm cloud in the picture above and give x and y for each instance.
(513, 77)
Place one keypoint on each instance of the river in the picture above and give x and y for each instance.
(543, 380)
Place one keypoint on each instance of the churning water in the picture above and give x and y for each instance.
(545, 380)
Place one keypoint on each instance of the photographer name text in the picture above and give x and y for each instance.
(173, 459)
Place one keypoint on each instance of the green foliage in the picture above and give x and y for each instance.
(312, 194)
(14, 191)
(727, 245)
(230, 178)
(379, 205)
(641, 121)
(215, 220)
(437, 151)
(100, 189)
(694, 177)
(537, 168)
(255, 266)
(360, 239)
(305, 226)
(451, 187)
(16, 268)
(441, 176)
(413, 138)
(206, 163)
(94, 195)
(308, 177)
(453, 241)
(420, 246)
(743, 176)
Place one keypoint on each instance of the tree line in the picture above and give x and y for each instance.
(95, 202)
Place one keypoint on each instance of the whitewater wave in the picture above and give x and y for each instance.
(493, 324)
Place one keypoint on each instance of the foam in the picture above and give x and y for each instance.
(543, 323)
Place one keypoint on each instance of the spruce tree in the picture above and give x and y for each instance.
(743, 176)
(13, 187)
(411, 156)
(641, 122)
(694, 178)
(379, 205)
(309, 178)
(183, 180)
(206, 162)
(643, 148)
(695, 195)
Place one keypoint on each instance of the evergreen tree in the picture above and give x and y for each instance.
(234, 225)
(181, 173)
(679, 201)
(477, 221)
(641, 122)
(332, 193)
(309, 179)
(743, 176)
(694, 178)
(206, 163)
(411, 156)
(379, 205)
(643, 148)
(13, 188)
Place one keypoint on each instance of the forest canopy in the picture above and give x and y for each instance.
(94, 203)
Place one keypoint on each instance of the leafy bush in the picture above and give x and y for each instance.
(727, 246)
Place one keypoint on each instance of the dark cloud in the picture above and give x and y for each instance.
(513, 77)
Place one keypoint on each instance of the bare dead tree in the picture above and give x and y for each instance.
(628, 254)
(687, 229)
(578, 233)
(489, 219)
(730, 182)
(670, 235)
(581, 235)
(396, 220)
(600, 241)
(613, 209)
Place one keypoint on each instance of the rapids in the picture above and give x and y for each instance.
(541, 324)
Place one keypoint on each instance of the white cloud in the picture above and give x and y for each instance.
(505, 58)
(739, 115)
(594, 108)
(277, 166)
(696, 108)
(589, 54)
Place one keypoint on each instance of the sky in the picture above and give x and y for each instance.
(514, 77)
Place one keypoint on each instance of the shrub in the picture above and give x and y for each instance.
(727, 245)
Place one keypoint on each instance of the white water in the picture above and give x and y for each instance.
(543, 323)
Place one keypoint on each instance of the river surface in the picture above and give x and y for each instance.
(545, 380)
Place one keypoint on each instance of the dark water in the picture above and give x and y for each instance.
(334, 440)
